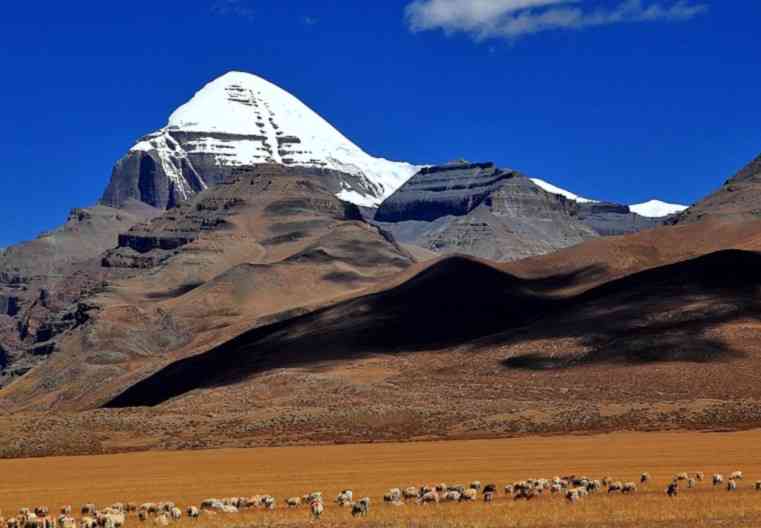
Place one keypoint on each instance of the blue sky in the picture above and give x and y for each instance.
(622, 100)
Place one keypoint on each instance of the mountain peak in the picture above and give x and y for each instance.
(656, 208)
(242, 119)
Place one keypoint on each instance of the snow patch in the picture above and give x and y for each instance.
(562, 192)
(656, 209)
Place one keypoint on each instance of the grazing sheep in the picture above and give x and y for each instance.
(193, 512)
(572, 496)
(452, 496)
(393, 495)
(87, 522)
(469, 495)
(361, 507)
(732, 485)
(345, 498)
(594, 486)
(509, 489)
(736, 475)
(207, 504)
(718, 479)
(615, 487)
(673, 489)
(489, 496)
(175, 514)
(681, 476)
(644, 478)
(111, 519)
(476, 485)
(524, 493)
(429, 498)
(66, 521)
(691, 483)
(410, 493)
(629, 487)
(700, 476)
(269, 502)
(458, 489)
(293, 502)
(316, 507)
(490, 488)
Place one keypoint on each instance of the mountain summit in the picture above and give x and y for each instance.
(241, 119)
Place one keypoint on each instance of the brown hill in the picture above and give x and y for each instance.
(739, 198)
(269, 243)
(266, 311)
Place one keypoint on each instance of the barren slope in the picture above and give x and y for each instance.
(270, 241)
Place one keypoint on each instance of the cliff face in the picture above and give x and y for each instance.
(611, 219)
(480, 210)
(483, 211)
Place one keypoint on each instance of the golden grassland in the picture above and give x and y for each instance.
(371, 469)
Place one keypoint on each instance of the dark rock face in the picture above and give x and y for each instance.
(481, 210)
(162, 178)
(610, 219)
(443, 191)
(173, 170)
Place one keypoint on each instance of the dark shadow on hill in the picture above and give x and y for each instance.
(657, 315)
(451, 302)
(660, 315)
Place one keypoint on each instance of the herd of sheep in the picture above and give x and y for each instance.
(572, 488)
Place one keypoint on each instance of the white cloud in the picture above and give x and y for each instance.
(485, 19)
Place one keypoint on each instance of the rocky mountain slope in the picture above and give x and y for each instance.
(480, 210)
(739, 198)
(236, 120)
(266, 244)
(41, 281)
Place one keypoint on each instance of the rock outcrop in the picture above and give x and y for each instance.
(480, 210)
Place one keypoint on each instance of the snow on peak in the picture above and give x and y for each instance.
(242, 119)
(656, 209)
(562, 192)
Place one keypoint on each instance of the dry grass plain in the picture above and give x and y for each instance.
(371, 469)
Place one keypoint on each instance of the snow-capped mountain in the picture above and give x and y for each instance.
(242, 119)
(651, 209)
(656, 209)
